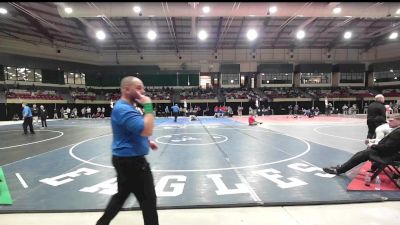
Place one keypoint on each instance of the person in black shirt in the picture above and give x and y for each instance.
(43, 116)
(376, 115)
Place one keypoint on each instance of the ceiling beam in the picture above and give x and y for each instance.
(240, 31)
(322, 31)
(133, 36)
(82, 28)
(339, 38)
(175, 34)
(36, 24)
(218, 34)
(107, 27)
(260, 38)
(19, 38)
(380, 40)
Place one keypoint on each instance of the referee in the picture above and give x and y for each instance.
(27, 115)
(376, 115)
(129, 147)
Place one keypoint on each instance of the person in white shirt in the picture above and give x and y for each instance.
(89, 112)
(83, 111)
(103, 112)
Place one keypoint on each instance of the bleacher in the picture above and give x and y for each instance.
(197, 94)
(83, 96)
(24, 94)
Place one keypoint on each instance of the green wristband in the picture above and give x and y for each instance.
(148, 107)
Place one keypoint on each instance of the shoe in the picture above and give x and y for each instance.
(32, 132)
(330, 170)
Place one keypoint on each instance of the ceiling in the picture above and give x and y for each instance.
(177, 25)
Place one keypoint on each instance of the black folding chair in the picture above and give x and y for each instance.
(388, 165)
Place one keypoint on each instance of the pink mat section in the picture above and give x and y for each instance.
(357, 184)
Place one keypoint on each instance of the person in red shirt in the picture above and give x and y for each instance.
(252, 121)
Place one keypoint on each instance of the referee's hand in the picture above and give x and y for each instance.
(153, 145)
(142, 99)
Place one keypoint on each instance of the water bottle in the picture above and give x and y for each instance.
(367, 179)
(377, 183)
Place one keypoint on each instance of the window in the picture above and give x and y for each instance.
(276, 78)
(83, 78)
(10, 73)
(315, 78)
(21, 75)
(71, 78)
(74, 78)
(30, 75)
(387, 76)
(352, 77)
(230, 79)
(38, 75)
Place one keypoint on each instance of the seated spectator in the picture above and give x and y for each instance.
(388, 147)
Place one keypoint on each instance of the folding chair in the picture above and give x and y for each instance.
(388, 165)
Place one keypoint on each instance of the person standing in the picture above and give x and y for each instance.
(55, 113)
(129, 147)
(240, 110)
(184, 107)
(175, 112)
(166, 111)
(83, 112)
(35, 115)
(365, 108)
(376, 115)
(43, 116)
(27, 116)
(103, 112)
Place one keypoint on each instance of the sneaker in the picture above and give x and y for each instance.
(330, 170)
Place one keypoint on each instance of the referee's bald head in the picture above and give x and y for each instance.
(129, 80)
(380, 98)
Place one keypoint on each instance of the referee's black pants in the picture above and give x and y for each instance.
(28, 122)
(133, 176)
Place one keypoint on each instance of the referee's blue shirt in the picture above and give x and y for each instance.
(175, 109)
(26, 112)
(127, 125)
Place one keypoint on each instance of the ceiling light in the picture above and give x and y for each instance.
(395, 78)
(252, 34)
(273, 9)
(68, 10)
(398, 11)
(100, 35)
(393, 35)
(391, 70)
(347, 35)
(137, 9)
(300, 34)
(206, 9)
(3, 11)
(337, 10)
(202, 35)
(151, 35)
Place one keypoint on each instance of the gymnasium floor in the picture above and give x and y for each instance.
(213, 162)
